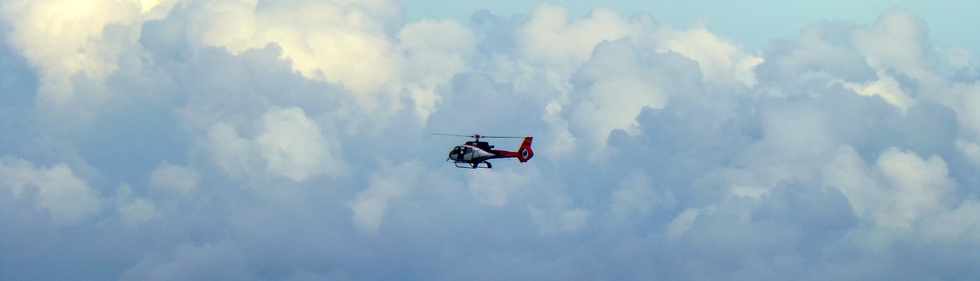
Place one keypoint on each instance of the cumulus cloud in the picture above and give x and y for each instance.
(898, 191)
(337, 41)
(718, 59)
(370, 205)
(354, 44)
(495, 188)
(549, 25)
(434, 52)
(288, 145)
(559, 219)
(886, 87)
(619, 82)
(68, 198)
(636, 198)
(172, 178)
(293, 146)
(682, 223)
(134, 210)
(289, 140)
(70, 42)
(970, 150)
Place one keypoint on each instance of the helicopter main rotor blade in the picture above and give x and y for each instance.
(454, 135)
(499, 137)
(477, 135)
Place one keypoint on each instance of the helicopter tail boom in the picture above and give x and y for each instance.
(523, 153)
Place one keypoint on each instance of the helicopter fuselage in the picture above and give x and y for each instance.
(473, 154)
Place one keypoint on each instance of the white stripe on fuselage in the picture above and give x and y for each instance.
(476, 153)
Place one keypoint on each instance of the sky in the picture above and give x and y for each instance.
(292, 140)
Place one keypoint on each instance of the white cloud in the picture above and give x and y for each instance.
(573, 220)
(796, 141)
(433, 52)
(68, 40)
(617, 83)
(625, 64)
(560, 221)
(966, 102)
(354, 44)
(718, 59)
(917, 187)
(337, 41)
(897, 42)
(288, 144)
(134, 210)
(899, 191)
(959, 224)
(494, 187)
(190, 261)
(637, 198)
(293, 145)
(68, 199)
(551, 38)
(234, 154)
(137, 211)
(970, 150)
(848, 173)
(370, 205)
(558, 217)
(173, 178)
(885, 87)
(682, 223)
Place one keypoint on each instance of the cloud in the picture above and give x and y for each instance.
(718, 59)
(682, 223)
(172, 178)
(970, 150)
(68, 199)
(613, 71)
(350, 43)
(558, 219)
(886, 87)
(433, 52)
(71, 44)
(371, 204)
(637, 199)
(293, 146)
(550, 24)
(921, 186)
(899, 191)
(134, 210)
(495, 188)
(290, 140)
(895, 42)
(287, 144)
(219, 260)
(335, 41)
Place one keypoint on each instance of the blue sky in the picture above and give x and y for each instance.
(292, 140)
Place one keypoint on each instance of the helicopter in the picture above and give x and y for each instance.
(474, 153)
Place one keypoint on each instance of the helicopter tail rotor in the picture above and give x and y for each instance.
(525, 153)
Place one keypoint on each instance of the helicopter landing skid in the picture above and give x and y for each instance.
(465, 165)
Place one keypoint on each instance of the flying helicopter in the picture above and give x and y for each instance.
(474, 153)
